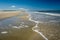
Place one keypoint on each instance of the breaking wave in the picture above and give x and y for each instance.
(52, 14)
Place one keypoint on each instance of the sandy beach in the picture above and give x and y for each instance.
(7, 14)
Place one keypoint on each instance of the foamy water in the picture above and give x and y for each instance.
(4, 32)
(35, 27)
(36, 30)
(52, 14)
(18, 27)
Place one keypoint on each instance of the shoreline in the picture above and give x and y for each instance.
(34, 28)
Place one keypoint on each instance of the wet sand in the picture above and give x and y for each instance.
(50, 30)
(23, 27)
(21, 34)
(18, 33)
(36, 30)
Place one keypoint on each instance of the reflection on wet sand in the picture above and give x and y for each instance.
(34, 27)
(18, 28)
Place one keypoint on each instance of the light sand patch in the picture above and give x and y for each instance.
(7, 14)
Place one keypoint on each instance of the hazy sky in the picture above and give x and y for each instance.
(30, 4)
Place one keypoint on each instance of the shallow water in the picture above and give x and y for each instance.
(16, 28)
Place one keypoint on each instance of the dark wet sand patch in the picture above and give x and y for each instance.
(21, 34)
(50, 30)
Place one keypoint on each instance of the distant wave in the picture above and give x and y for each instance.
(52, 14)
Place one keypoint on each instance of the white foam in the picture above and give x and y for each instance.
(4, 32)
(15, 27)
(52, 14)
(37, 22)
(26, 26)
(40, 34)
(21, 26)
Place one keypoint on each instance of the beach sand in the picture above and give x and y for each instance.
(7, 14)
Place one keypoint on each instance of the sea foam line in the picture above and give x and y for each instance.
(37, 22)
(52, 14)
